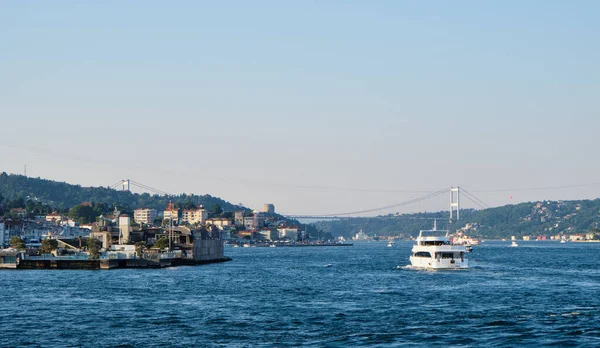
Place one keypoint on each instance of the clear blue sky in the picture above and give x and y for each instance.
(313, 106)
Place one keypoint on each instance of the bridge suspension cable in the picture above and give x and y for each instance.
(125, 185)
(431, 195)
(115, 185)
(153, 190)
(474, 199)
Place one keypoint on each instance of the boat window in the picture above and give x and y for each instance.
(447, 255)
(422, 254)
(437, 242)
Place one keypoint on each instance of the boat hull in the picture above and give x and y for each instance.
(433, 263)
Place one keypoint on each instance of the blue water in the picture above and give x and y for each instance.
(539, 294)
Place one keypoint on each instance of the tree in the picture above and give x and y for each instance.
(216, 209)
(162, 243)
(84, 214)
(17, 242)
(188, 205)
(48, 245)
(140, 247)
(93, 246)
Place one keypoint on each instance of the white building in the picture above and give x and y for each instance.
(249, 222)
(144, 216)
(269, 234)
(290, 233)
(54, 218)
(221, 222)
(124, 229)
(193, 216)
(239, 218)
(171, 213)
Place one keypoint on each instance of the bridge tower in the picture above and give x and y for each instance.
(454, 203)
(126, 185)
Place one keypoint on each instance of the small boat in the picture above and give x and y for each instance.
(390, 244)
(272, 246)
(434, 250)
(563, 241)
(514, 244)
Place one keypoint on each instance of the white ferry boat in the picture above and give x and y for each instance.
(434, 250)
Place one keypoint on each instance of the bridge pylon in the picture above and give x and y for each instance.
(126, 185)
(454, 203)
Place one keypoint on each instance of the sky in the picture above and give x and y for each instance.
(318, 107)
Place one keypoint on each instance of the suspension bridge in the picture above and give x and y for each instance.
(455, 196)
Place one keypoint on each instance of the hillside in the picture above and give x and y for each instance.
(61, 195)
(533, 219)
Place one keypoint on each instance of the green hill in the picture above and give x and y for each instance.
(533, 219)
(61, 196)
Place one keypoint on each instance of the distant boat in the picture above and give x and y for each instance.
(514, 244)
(563, 241)
(390, 244)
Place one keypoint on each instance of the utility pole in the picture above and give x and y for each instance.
(171, 234)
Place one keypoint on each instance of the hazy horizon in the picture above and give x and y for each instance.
(318, 108)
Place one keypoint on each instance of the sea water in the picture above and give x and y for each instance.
(539, 294)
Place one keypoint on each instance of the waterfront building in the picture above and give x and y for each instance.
(269, 234)
(171, 213)
(18, 212)
(290, 233)
(124, 228)
(576, 237)
(221, 222)
(249, 222)
(193, 216)
(144, 216)
(268, 208)
(259, 219)
(54, 218)
(239, 218)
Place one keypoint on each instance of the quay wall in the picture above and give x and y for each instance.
(58, 264)
(209, 250)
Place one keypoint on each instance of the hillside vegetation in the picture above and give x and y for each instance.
(61, 196)
(532, 219)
